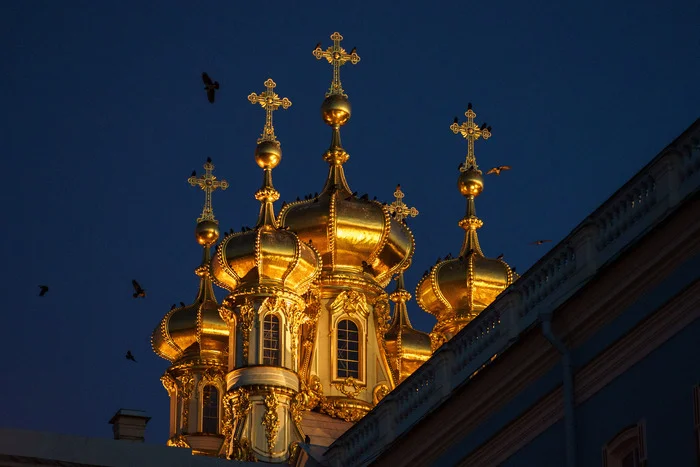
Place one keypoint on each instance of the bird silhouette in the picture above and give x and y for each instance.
(469, 106)
(318, 46)
(173, 307)
(539, 242)
(182, 304)
(365, 197)
(129, 356)
(194, 173)
(209, 159)
(488, 128)
(210, 86)
(483, 127)
(461, 164)
(500, 256)
(498, 170)
(456, 120)
(354, 50)
(44, 289)
(138, 290)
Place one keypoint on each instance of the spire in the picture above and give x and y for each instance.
(209, 184)
(336, 111)
(337, 57)
(470, 181)
(398, 208)
(268, 153)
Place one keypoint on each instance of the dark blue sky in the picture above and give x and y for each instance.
(104, 117)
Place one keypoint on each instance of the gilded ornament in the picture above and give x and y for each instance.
(398, 209)
(350, 387)
(471, 132)
(382, 316)
(208, 183)
(437, 339)
(293, 453)
(186, 386)
(336, 56)
(337, 410)
(241, 450)
(270, 101)
(271, 420)
(380, 391)
(169, 383)
(246, 314)
(178, 441)
(350, 302)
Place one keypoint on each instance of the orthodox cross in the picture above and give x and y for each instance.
(208, 183)
(471, 132)
(270, 101)
(399, 209)
(337, 57)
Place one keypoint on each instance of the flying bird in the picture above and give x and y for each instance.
(210, 86)
(498, 170)
(44, 289)
(138, 291)
(129, 356)
(539, 242)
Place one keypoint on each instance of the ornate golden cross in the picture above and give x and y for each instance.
(270, 101)
(337, 57)
(208, 183)
(399, 208)
(471, 132)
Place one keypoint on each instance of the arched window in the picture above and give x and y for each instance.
(271, 340)
(348, 350)
(627, 448)
(210, 409)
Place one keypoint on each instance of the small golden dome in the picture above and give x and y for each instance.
(194, 330)
(470, 182)
(268, 154)
(265, 256)
(207, 232)
(457, 290)
(336, 110)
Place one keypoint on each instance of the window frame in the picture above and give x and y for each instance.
(218, 407)
(280, 339)
(361, 349)
(628, 440)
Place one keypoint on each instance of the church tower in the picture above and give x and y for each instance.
(267, 270)
(456, 290)
(194, 339)
(344, 362)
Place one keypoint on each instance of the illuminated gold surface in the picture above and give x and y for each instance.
(270, 101)
(457, 290)
(336, 56)
(208, 183)
(398, 208)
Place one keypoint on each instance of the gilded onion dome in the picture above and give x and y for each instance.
(196, 330)
(457, 290)
(266, 257)
(352, 234)
(407, 348)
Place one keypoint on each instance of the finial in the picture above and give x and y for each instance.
(268, 153)
(336, 56)
(270, 101)
(208, 183)
(398, 208)
(471, 132)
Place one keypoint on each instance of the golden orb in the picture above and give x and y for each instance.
(207, 232)
(470, 182)
(336, 110)
(268, 154)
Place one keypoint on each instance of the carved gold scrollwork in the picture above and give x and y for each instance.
(241, 450)
(350, 302)
(382, 317)
(246, 313)
(293, 452)
(380, 391)
(436, 340)
(355, 387)
(270, 420)
(186, 387)
(169, 383)
(227, 422)
(337, 410)
(178, 441)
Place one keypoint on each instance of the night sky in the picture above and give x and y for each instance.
(104, 116)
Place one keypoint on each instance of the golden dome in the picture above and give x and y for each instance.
(457, 290)
(407, 348)
(352, 234)
(195, 330)
(266, 256)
